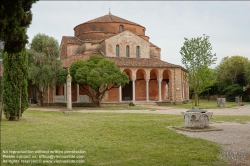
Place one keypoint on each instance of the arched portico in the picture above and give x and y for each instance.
(147, 85)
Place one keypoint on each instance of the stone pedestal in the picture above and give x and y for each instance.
(197, 119)
(221, 102)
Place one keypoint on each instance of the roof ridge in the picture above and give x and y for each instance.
(111, 17)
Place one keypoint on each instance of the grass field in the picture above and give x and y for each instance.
(111, 139)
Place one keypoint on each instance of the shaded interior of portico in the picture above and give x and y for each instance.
(166, 85)
(127, 90)
(140, 85)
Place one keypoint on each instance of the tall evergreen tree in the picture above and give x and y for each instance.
(15, 18)
(15, 95)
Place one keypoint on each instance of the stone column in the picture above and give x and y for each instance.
(167, 91)
(120, 93)
(69, 99)
(147, 90)
(159, 82)
(77, 93)
(65, 92)
(133, 90)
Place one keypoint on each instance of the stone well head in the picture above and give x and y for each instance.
(197, 118)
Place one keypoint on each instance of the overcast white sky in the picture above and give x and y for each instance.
(166, 22)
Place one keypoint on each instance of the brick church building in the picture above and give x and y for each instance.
(125, 43)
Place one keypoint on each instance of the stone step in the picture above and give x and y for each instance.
(142, 103)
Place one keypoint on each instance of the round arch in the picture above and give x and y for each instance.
(154, 74)
(128, 72)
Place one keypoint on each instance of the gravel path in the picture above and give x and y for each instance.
(233, 137)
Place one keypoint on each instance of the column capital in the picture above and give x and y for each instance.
(159, 79)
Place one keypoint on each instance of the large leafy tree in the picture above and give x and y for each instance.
(197, 58)
(232, 75)
(15, 96)
(247, 73)
(44, 64)
(96, 76)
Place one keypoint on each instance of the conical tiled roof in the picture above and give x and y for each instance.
(111, 18)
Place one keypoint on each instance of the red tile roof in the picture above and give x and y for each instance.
(124, 62)
(67, 62)
(152, 45)
(71, 40)
(141, 62)
(111, 18)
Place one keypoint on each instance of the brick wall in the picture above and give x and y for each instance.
(155, 52)
(103, 30)
(72, 49)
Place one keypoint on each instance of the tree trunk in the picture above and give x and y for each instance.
(0, 114)
(1, 111)
(192, 99)
(208, 96)
(41, 98)
(12, 118)
(98, 103)
(195, 99)
(20, 109)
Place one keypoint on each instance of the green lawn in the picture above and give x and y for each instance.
(109, 139)
(205, 104)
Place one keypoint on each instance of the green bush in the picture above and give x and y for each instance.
(234, 90)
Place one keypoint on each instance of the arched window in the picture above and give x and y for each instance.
(127, 51)
(117, 50)
(120, 28)
(137, 52)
